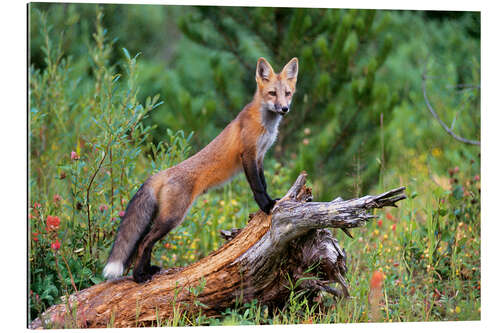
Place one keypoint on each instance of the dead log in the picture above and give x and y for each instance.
(258, 262)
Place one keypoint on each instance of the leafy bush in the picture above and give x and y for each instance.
(86, 138)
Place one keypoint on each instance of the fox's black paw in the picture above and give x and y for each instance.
(146, 275)
(267, 209)
(141, 277)
(154, 269)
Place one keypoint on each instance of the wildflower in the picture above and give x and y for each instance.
(307, 131)
(456, 170)
(62, 175)
(437, 294)
(379, 223)
(457, 309)
(53, 222)
(103, 208)
(476, 178)
(56, 245)
(389, 216)
(167, 245)
(375, 294)
(393, 227)
(305, 142)
(121, 213)
(30, 216)
(74, 156)
(376, 280)
(36, 205)
(35, 236)
(57, 198)
(436, 152)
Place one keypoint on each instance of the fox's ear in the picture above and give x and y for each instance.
(291, 70)
(264, 70)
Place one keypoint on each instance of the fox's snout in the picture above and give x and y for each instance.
(281, 109)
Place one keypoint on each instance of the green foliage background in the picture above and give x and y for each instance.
(358, 123)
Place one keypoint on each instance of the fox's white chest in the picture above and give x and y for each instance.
(266, 140)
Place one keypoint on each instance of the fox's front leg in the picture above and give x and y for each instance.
(257, 182)
(260, 167)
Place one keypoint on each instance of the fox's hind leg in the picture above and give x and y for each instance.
(143, 270)
(171, 212)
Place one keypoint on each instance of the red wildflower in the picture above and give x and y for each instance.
(476, 178)
(167, 245)
(456, 170)
(74, 156)
(121, 213)
(53, 222)
(377, 279)
(375, 295)
(393, 227)
(389, 216)
(30, 216)
(56, 245)
(36, 205)
(379, 223)
(103, 207)
(35, 236)
(57, 198)
(436, 294)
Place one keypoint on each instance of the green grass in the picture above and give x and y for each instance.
(428, 251)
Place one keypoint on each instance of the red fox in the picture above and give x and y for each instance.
(163, 201)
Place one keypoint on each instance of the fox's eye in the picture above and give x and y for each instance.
(272, 93)
(288, 93)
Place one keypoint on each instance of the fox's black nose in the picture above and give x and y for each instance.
(284, 108)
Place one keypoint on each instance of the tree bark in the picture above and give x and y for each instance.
(259, 262)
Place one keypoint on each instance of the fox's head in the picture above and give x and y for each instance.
(276, 90)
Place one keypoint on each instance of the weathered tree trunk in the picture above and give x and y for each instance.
(256, 263)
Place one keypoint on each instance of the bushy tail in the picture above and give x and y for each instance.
(139, 213)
